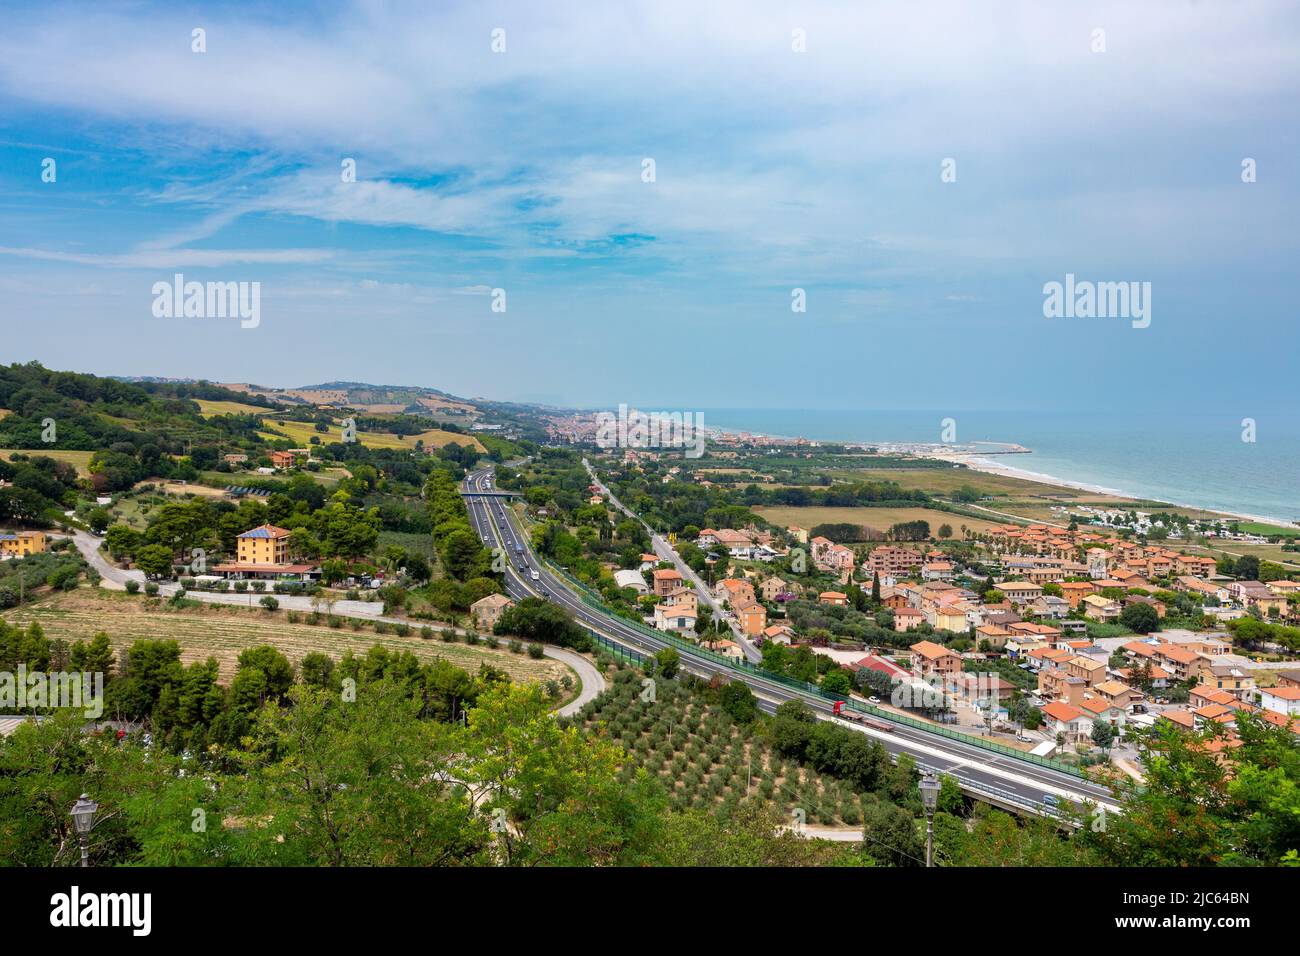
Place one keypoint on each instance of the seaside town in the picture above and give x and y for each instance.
(1066, 642)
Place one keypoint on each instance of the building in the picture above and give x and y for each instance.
(892, 562)
(1076, 591)
(263, 545)
(666, 579)
(485, 611)
(929, 658)
(752, 618)
(735, 592)
(1067, 720)
(833, 597)
(778, 634)
(1281, 700)
(675, 617)
(631, 579)
(906, 618)
(772, 588)
(1021, 592)
(263, 552)
(1100, 608)
(22, 543)
(283, 459)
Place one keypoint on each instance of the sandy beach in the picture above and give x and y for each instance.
(976, 462)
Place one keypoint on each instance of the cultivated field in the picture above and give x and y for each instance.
(207, 407)
(878, 518)
(223, 631)
(79, 459)
(301, 433)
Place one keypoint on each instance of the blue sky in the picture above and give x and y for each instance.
(774, 170)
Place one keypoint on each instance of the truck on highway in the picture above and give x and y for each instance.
(534, 575)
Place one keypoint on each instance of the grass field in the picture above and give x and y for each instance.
(79, 459)
(301, 433)
(223, 631)
(208, 407)
(878, 518)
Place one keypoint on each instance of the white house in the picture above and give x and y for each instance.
(1281, 700)
(631, 579)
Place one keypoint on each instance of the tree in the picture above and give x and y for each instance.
(1139, 617)
(739, 701)
(122, 540)
(1103, 734)
(155, 560)
(1247, 568)
(668, 661)
(837, 682)
(98, 519)
(945, 531)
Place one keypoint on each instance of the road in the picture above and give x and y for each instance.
(1007, 781)
(666, 552)
(114, 578)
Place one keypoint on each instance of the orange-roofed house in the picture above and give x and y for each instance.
(1068, 720)
(929, 658)
(666, 580)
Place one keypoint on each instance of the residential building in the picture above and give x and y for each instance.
(22, 543)
(486, 611)
(930, 658)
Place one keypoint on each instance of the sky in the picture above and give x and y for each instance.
(795, 147)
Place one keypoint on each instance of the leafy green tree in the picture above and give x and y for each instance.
(668, 661)
(155, 561)
(1141, 618)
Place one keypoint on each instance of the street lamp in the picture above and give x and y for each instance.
(929, 798)
(83, 819)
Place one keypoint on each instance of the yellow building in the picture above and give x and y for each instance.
(22, 543)
(265, 544)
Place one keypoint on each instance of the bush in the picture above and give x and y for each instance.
(241, 586)
(270, 603)
(516, 647)
(257, 585)
(132, 587)
(151, 588)
(536, 651)
(426, 633)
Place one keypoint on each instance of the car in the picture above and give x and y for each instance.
(1050, 801)
(534, 575)
(874, 700)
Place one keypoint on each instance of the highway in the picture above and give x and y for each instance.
(1003, 780)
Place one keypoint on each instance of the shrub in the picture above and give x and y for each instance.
(132, 587)
(426, 633)
(536, 651)
(151, 588)
(241, 586)
(272, 604)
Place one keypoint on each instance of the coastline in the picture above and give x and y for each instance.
(976, 461)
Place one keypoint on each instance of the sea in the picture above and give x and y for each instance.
(1192, 458)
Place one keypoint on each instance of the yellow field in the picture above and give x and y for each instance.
(207, 408)
(223, 631)
(878, 518)
(79, 459)
(301, 433)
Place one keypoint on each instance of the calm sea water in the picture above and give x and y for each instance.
(1190, 458)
